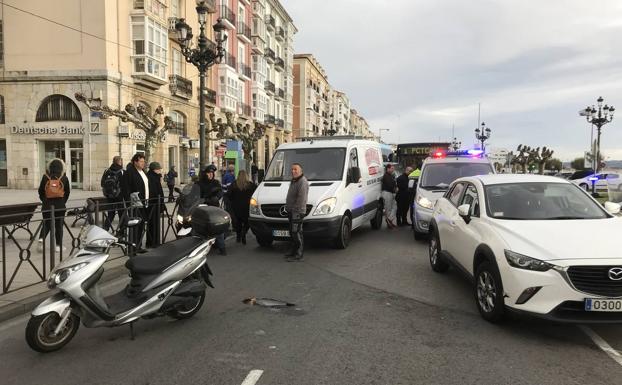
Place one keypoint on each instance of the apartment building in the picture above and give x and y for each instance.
(359, 125)
(340, 112)
(312, 104)
(123, 52)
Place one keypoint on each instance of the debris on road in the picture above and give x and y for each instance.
(267, 302)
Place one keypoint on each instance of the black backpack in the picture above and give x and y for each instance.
(111, 186)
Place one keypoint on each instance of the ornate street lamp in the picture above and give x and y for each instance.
(598, 117)
(206, 54)
(483, 134)
(331, 131)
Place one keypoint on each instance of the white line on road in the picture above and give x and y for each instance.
(602, 344)
(252, 377)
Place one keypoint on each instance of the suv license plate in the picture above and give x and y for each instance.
(594, 304)
(280, 233)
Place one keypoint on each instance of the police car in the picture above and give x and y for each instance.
(437, 173)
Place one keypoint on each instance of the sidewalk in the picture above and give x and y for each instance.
(13, 197)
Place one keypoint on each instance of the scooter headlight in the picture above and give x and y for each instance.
(59, 276)
(180, 219)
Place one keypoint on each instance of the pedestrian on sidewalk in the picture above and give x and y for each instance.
(135, 180)
(388, 195)
(240, 194)
(156, 204)
(111, 184)
(211, 192)
(296, 206)
(171, 176)
(403, 197)
(54, 192)
(413, 179)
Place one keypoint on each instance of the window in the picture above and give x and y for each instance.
(456, 194)
(179, 123)
(2, 109)
(58, 107)
(150, 43)
(470, 198)
(178, 63)
(175, 8)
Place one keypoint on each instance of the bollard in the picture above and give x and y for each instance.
(52, 234)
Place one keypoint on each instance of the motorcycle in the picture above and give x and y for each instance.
(170, 280)
(188, 200)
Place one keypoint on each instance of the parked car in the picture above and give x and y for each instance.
(603, 181)
(531, 244)
(564, 174)
(437, 173)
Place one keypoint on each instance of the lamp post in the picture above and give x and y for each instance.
(331, 131)
(380, 133)
(483, 134)
(598, 117)
(206, 54)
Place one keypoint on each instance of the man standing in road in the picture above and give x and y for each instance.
(388, 195)
(111, 184)
(413, 179)
(296, 205)
(402, 197)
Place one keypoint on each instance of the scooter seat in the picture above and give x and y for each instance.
(157, 260)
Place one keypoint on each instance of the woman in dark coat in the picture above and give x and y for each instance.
(156, 204)
(55, 173)
(211, 192)
(240, 194)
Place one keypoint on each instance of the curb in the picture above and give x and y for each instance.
(26, 305)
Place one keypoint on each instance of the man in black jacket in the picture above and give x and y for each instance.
(211, 192)
(112, 187)
(135, 180)
(296, 206)
(403, 197)
(388, 195)
(156, 204)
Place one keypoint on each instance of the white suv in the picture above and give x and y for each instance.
(533, 244)
(437, 173)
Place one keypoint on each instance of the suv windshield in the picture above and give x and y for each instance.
(540, 201)
(317, 163)
(440, 175)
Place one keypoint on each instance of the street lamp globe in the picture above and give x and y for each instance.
(184, 32)
(219, 29)
(202, 10)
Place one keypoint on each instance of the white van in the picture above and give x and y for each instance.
(345, 176)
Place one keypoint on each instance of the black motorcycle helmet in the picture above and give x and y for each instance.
(210, 168)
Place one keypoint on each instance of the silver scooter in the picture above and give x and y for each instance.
(170, 280)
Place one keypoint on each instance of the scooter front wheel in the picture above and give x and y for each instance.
(189, 309)
(40, 332)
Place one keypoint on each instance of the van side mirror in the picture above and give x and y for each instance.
(612, 208)
(354, 175)
(464, 211)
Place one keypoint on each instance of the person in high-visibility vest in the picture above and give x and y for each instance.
(413, 179)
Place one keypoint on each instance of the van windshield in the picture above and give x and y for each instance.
(317, 163)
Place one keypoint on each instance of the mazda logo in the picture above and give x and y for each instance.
(283, 212)
(615, 274)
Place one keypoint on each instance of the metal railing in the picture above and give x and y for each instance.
(227, 14)
(244, 29)
(29, 235)
(269, 86)
(180, 86)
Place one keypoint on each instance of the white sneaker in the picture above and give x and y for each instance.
(58, 249)
(40, 245)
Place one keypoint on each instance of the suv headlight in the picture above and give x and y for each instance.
(527, 263)
(59, 276)
(254, 207)
(425, 202)
(326, 206)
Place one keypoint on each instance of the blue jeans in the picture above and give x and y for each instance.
(220, 242)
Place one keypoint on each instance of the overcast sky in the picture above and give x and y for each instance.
(417, 67)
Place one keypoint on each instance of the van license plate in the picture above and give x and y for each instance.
(280, 233)
(593, 304)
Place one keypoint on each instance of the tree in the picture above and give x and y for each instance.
(237, 131)
(578, 163)
(553, 164)
(154, 127)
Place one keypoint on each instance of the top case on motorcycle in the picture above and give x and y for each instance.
(157, 260)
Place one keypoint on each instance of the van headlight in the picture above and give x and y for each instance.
(59, 276)
(327, 206)
(527, 263)
(254, 207)
(425, 202)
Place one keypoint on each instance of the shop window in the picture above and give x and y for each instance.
(58, 107)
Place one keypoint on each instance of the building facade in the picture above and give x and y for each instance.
(119, 52)
(311, 99)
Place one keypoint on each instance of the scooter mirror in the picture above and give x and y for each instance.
(134, 222)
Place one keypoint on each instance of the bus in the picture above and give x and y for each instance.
(388, 156)
(413, 154)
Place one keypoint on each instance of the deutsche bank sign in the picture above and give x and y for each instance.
(47, 130)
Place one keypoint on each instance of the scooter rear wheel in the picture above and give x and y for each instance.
(185, 312)
(40, 332)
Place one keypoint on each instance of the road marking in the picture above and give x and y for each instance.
(602, 344)
(253, 377)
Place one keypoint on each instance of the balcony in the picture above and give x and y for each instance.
(270, 22)
(245, 71)
(180, 86)
(148, 72)
(270, 55)
(172, 32)
(258, 45)
(210, 95)
(279, 64)
(244, 32)
(227, 16)
(280, 93)
(229, 60)
(269, 87)
(279, 123)
(269, 119)
(280, 34)
(244, 109)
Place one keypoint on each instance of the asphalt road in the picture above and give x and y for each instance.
(372, 314)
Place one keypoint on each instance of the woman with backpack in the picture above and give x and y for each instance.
(54, 192)
(240, 194)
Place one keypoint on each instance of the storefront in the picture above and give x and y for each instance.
(71, 152)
